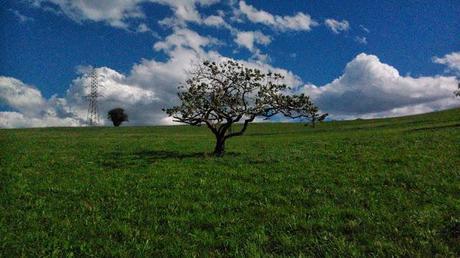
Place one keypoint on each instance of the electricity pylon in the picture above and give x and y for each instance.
(93, 115)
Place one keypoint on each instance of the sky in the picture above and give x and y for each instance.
(356, 59)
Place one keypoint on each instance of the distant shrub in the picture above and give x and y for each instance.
(117, 116)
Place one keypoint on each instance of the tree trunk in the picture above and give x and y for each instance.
(219, 150)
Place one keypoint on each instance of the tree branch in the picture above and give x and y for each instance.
(245, 126)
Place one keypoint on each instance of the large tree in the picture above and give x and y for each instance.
(222, 94)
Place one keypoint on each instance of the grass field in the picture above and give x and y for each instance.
(355, 188)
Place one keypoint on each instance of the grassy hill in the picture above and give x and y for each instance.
(365, 187)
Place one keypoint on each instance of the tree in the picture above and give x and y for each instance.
(315, 116)
(300, 106)
(117, 116)
(222, 94)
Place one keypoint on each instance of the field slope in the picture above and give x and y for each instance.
(355, 188)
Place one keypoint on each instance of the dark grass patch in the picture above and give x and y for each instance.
(120, 159)
(450, 232)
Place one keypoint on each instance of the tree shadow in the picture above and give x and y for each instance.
(119, 159)
(154, 155)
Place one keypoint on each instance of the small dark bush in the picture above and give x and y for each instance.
(117, 116)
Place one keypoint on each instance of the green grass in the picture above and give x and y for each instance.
(357, 188)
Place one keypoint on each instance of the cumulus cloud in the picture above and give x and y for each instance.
(20, 96)
(129, 15)
(452, 61)
(30, 109)
(367, 88)
(186, 9)
(361, 40)
(150, 86)
(116, 90)
(19, 120)
(113, 12)
(337, 26)
(184, 38)
(185, 47)
(370, 88)
(298, 22)
(143, 28)
(141, 102)
(117, 12)
(216, 21)
(247, 39)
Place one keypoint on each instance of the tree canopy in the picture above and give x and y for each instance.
(221, 94)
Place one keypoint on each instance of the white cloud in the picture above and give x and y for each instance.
(116, 91)
(257, 16)
(215, 20)
(247, 39)
(184, 11)
(184, 38)
(117, 12)
(18, 120)
(20, 96)
(361, 40)
(184, 48)
(30, 108)
(452, 61)
(141, 102)
(21, 17)
(113, 12)
(150, 86)
(143, 28)
(370, 88)
(364, 28)
(298, 22)
(337, 26)
(367, 87)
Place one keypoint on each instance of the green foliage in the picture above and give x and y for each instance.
(221, 94)
(385, 187)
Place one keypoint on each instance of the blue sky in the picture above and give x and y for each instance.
(335, 51)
